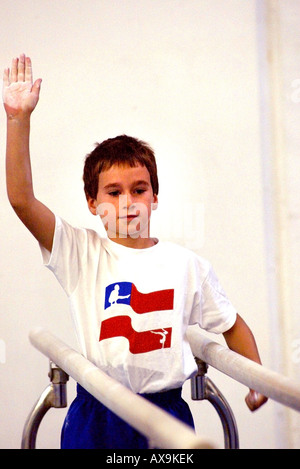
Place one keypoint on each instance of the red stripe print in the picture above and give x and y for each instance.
(155, 301)
(139, 342)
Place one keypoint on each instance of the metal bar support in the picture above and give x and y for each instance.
(203, 388)
(55, 395)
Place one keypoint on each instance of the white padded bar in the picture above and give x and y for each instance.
(269, 383)
(161, 429)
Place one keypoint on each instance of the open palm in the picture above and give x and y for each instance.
(20, 95)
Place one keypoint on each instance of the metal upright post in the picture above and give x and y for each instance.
(55, 395)
(203, 388)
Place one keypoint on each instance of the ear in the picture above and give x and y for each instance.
(155, 202)
(92, 205)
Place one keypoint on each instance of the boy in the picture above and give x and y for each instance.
(132, 297)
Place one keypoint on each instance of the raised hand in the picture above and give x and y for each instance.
(20, 94)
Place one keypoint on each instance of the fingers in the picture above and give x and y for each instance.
(21, 70)
(6, 81)
(28, 69)
(251, 400)
(14, 70)
(254, 400)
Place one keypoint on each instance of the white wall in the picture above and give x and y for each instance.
(184, 75)
(284, 41)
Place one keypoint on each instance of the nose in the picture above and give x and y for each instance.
(126, 201)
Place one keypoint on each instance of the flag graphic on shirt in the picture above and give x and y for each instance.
(127, 293)
(139, 342)
(141, 303)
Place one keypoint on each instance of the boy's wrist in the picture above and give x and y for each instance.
(18, 118)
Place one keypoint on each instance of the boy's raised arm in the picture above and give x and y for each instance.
(20, 97)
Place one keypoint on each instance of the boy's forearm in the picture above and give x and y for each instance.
(241, 340)
(18, 167)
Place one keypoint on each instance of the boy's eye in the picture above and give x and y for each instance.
(117, 192)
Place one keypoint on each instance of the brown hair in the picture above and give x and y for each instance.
(119, 150)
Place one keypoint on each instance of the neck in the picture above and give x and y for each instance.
(135, 243)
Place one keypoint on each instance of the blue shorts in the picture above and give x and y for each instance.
(91, 425)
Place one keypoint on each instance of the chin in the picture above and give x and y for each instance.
(133, 230)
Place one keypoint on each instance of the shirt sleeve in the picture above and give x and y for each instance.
(213, 312)
(65, 257)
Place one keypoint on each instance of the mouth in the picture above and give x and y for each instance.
(128, 217)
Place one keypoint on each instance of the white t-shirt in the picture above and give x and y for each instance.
(131, 307)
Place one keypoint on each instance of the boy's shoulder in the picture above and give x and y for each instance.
(82, 237)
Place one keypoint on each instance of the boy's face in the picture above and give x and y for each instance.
(124, 202)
